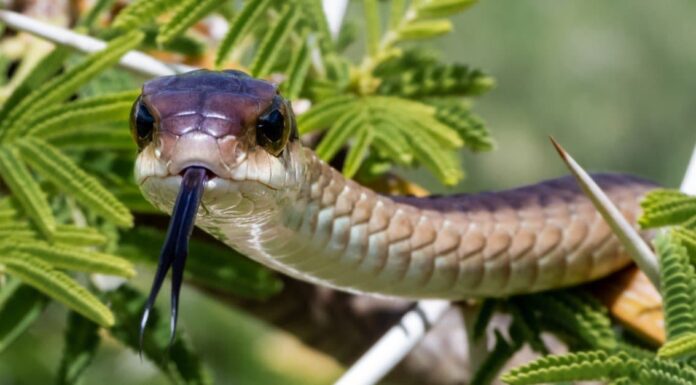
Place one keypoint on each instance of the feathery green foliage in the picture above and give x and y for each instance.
(581, 366)
(20, 306)
(57, 285)
(667, 207)
(65, 174)
(273, 40)
(677, 277)
(239, 26)
(186, 13)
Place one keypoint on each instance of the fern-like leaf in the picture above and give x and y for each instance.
(666, 372)
(323, 114)
(676, 273)
(78, 236)
(339, 133)
(468, 126)
(113, 137)
(581, 366)
(363, 140)
(682, 346)
(443, 8)
(186, 13)
(141, 12)
(273, 41)
(72, 258)
(58, 286)
(577, 314)
(65, 174)
(61, 87)
(76, 115)
(27, 192)
(296, 72)
(241, 24)
(667, 207)
(435, 80)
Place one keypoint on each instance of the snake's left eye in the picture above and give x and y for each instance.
(142, 123)
(271, 131)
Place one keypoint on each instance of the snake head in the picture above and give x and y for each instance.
(235, 126)
(207, 138)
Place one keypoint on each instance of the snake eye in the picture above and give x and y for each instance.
(272, 132)
(142, 123)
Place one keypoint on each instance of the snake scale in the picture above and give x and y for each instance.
(272, 199)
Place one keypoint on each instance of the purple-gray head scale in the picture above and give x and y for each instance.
(207, 138)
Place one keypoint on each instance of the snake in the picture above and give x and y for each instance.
(220, 150)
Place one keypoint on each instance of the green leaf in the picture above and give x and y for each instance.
(78, 236)
(84, 112)
(424, 29)
(80, 346)
(296, 73)
(187, 13)
(680, 347)
(442, 8)
(20, 306)
(676, 277)
(444, 165)
(141, 12)
(468, 126)
(241, 24)
(27, 192)
(41, 73)
(66, 175)
(110, 138)
(358, 150)
(434, 80)
(324, 113)
(72, 258)
(582, 366)
(667, 207)
(339, 133)
(273, 42)
(58, 286)
(63, 86)
(182, 365)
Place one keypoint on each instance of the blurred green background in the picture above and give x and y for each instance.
(612, 81)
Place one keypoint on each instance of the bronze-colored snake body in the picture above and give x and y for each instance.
(272, 199)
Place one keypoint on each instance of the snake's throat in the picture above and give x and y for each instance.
(175, 248)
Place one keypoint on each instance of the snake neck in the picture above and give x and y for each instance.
(329, 230)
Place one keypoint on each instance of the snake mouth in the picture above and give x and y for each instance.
(175, 249)
(209, 174)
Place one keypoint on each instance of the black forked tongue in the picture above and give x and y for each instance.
(175, 248)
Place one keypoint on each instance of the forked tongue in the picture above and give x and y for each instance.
(175, 248)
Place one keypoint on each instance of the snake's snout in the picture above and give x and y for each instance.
(200, 150)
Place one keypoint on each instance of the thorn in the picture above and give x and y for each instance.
(561, 151)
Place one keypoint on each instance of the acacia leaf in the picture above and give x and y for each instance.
(68, 176)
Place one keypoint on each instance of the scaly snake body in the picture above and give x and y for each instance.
(273, 200)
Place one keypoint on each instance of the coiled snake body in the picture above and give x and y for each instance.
(273, 200)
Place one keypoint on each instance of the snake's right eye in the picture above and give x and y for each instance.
(142, 123)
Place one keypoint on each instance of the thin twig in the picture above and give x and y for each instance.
(135, 61)
(398, 341)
